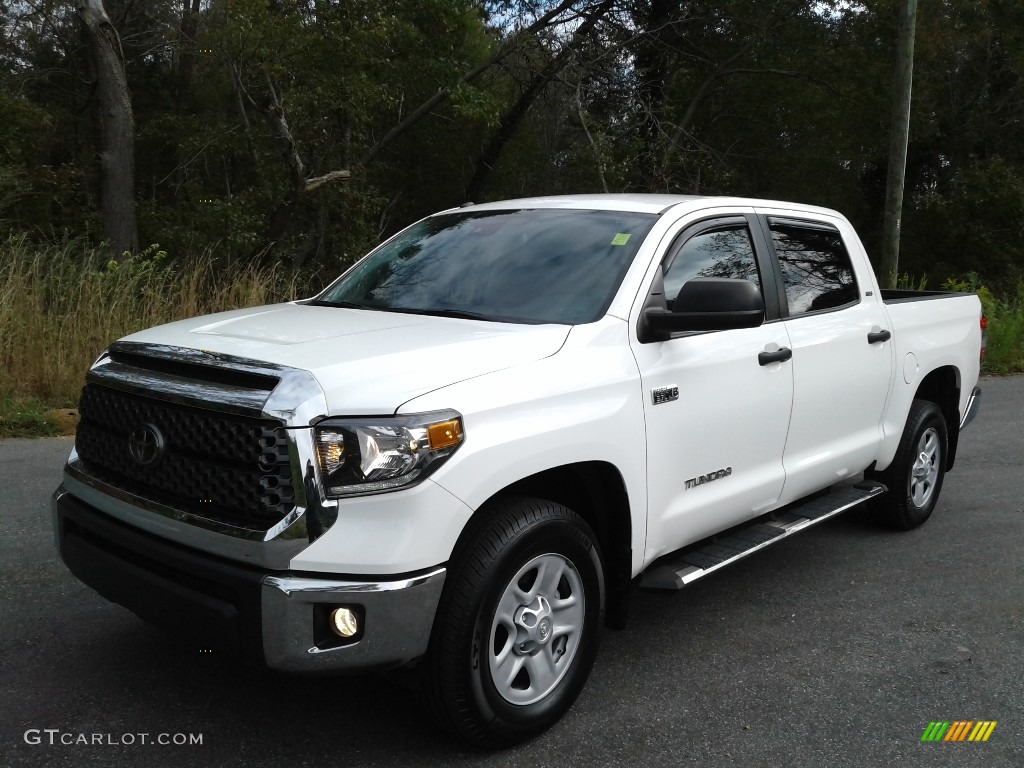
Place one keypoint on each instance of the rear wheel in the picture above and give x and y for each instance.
(516, 632)
(915, 476)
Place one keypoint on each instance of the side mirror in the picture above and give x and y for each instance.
(708, 304)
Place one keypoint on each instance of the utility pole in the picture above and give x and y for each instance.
(899, 134)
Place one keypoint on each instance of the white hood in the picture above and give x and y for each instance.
(366, 362)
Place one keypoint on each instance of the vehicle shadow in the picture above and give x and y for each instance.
(105, 671)
(280, 719)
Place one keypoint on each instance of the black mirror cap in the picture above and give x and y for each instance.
(718, 294)
(709, 304)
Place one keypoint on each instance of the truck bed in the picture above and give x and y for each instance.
(898, 295)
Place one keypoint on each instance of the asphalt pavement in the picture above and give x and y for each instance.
(836, 647)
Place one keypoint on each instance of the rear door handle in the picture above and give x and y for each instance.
(778, 356)
(876, 336)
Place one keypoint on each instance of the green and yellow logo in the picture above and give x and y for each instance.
(959, 730)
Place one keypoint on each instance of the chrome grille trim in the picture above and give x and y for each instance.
(295, 402)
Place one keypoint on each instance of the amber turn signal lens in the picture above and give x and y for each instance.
(444, 434)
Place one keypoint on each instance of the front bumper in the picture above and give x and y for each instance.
(276, 618)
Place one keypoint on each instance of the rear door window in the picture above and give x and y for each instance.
(816, 268)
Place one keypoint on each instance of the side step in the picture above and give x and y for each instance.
(708, 556)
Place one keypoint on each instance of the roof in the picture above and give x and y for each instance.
(641, 203)
(607, 202)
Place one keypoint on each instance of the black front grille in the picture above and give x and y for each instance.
(219, 466)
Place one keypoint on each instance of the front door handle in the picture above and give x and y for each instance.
(876, 336)
(778, 356)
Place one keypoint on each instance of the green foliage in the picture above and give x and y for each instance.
(980, 217)
(24, 417)
(476, 104)
(1005, 316)
(35, 193)
(777, 99)
(345, 73)
(906, 282)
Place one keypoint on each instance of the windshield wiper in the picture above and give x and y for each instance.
(342, 304)
(459, 313)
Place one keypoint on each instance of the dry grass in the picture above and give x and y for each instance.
(61, 306)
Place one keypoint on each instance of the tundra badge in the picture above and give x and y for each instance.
(701, 479)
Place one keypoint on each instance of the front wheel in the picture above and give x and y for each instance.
(516, 632)
(916, 473)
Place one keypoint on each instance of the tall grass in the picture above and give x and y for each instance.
(60, 306)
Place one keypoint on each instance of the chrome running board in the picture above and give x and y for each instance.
(687, 565)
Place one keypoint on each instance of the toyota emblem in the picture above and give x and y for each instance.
(146, 445)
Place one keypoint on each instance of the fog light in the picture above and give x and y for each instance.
(344, 622)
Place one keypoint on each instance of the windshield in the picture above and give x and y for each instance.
(524, 266)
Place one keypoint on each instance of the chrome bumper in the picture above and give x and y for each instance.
(971, 410)
(397, 619)
(278, 618)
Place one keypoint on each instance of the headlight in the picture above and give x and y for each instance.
(382, 454)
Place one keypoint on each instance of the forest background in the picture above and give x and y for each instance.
(165, 158)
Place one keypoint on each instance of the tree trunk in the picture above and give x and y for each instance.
(116, 129)
(187, 50)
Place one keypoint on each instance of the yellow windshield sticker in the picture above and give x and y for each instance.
(620, 239)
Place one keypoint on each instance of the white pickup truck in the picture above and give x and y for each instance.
(461, 456)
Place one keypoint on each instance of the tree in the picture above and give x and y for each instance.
(248, 113)
(512, 119)
(116, 128)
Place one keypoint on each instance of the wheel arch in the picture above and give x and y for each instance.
(942, 387)
(596, 491)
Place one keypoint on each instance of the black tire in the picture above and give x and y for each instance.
(915, 476)
(517, 544)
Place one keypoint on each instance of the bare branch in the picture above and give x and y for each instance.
(333, 177)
